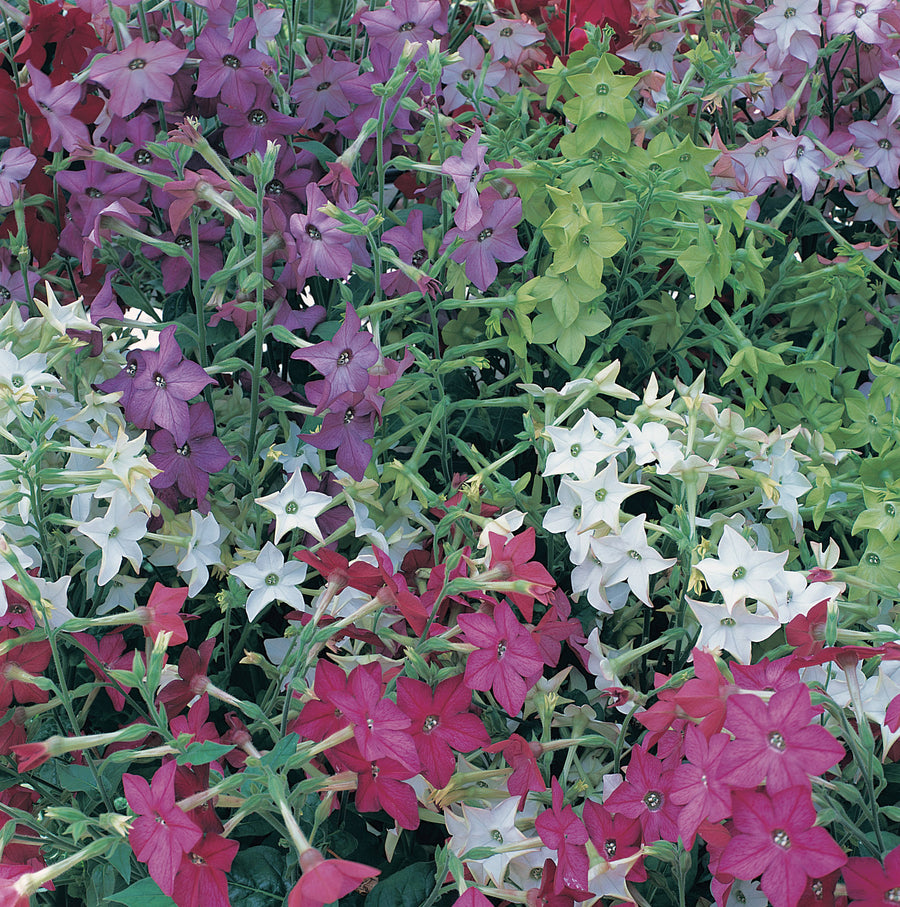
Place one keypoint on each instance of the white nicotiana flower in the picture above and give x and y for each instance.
(568, 517)
(295, 508)
(117, 534)
(733, 630)
(19, 379)
(795, 596)
(203, 550)
(505, 524)
(270, 579)
(495, 827)
(650, 442)
(577, 450)
(55, 600)
(121, 594)
(790, 484)
(741, 571)
(63, 318)
(602, 496)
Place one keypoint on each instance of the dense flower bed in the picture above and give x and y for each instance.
(449, 453)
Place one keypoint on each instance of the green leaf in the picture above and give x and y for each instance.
(406, 888)
(145, 893)
(203, 753)
(257, 878)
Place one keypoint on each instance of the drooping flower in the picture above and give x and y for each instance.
(561, 830)
(325, 881)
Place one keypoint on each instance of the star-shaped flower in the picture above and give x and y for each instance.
(117, 534)
(495, 827)
(734, 630)
(295, 507)
(270, 579)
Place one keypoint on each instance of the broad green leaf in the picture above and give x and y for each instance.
(406, 888)
(257, 878)
(145, 893)
(203, 753)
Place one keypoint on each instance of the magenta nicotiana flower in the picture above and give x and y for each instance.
(250, 129)
(492, 239)
(176, 270)
(141, 72)
(163, 383)
(466, 169)
(56, 103)
(405, 20)
(321, 91)
(344, 360)
(320, 246)
(188, 466)
(229, 67)
(15, 165)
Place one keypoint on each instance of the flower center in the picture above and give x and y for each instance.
(486, 233)
(781, 839)
(859, 10)
(653, 800)
(495, 834)
(313, 232)
(184, 450)
(790, 12)
(873, 559)
(231, 61)
(739, 573)
(131, 369)
(137, 64)
(348, 416)
(407, 26)
(430, 723)
(884, 145)
(291, 507)
(776, 741)
(600, 494)
(183, 240)
(4, 293)
(258, 117)
(467, 74)
(602, 88)
(113, 532)
(93, 192)
(536, 873)
(18, 381)
(893, 896)
(727, 621)
(275, 187)
(574, 450)
(655, 47)
(197, 860)
(142, 156)
(762, 151)
(418, 257)
(159, 381)
(323, 86)
(271, 579)
(818, 889)
(635, 555)
(345, 357)
(609, 848)
(501, 649)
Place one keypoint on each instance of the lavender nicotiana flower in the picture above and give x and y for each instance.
(141, 72)
(176, 270)
(321, 90)
(405, 20)
(56, 103)
(466, 169)
(344, 361)
(188, 466)
(163, 383)
(229, 67)
(468, 73)
(409, 242)
(492, 239)
(321, 246)
(15, 165)
(346, 429)
(95, 187)
(250, 129)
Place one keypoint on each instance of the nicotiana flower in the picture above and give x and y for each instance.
(15, 165)
(117, 534)
(733, 630)
(492, 828)
(270, 579)
(740, 571)
(139, 73)
(202, 552)
(295, 507)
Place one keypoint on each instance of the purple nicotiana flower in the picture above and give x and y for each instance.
(162, 385)
(249, 129)
(229, 67)
(405, 20)
(287, 188)
(321, 246)
(176, 270)
(15, 165)
(321, 90)
(344, 361)
(491, 240)
(346, 428)
(12, 283)
(95, 187)
(141, 72)
(56, 103)
(409, 242)
(124, 381)
(468, 72)
(188, 466)
(466, 169)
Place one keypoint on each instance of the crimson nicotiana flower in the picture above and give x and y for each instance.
(561, 830)
(869, 884)
(506, 660)
(201, 880)
(139, 73)
(325, 881)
